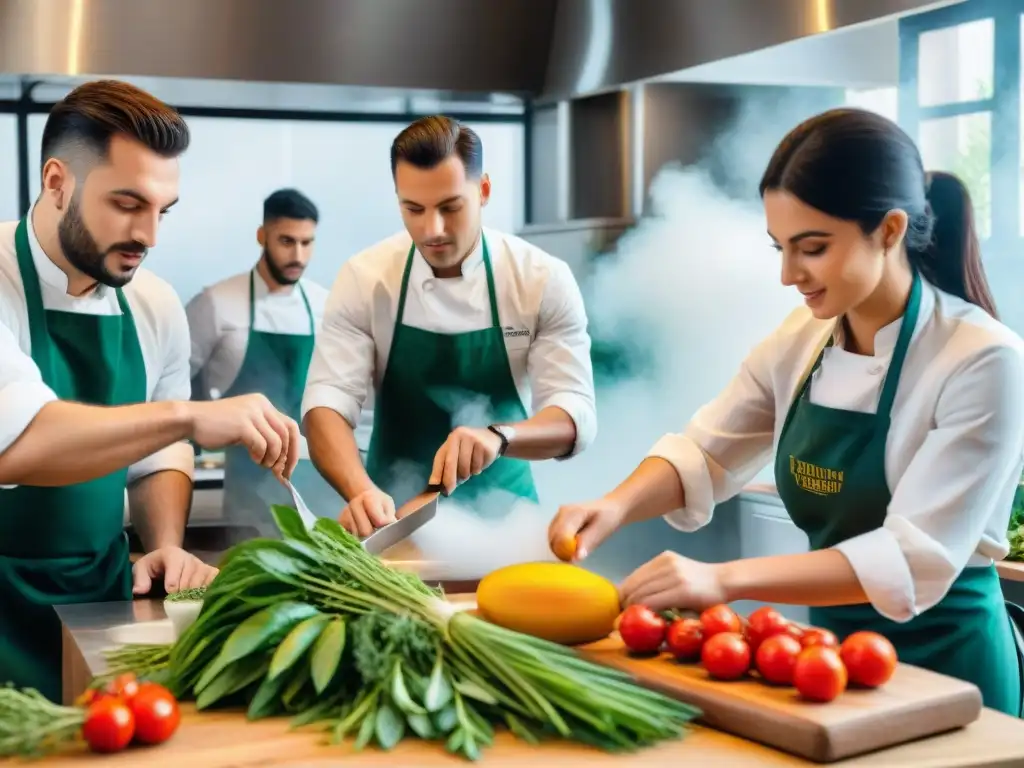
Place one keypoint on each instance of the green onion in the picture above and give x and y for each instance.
(315, 627)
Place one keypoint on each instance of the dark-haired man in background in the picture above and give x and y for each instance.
(455, 327)
(94, 381)
(254, 332)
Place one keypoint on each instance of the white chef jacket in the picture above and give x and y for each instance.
(218, 319)
(539, 305)
(953, 458)
(159, 321)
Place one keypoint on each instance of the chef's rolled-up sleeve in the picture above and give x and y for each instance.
(559, 364)
(174, 382)
(22, 390)
(959, 483)
(203, 330)
(726, 443)
(341, 370)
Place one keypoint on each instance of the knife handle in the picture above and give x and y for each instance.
(435, 488)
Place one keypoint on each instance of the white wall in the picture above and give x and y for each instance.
(8, 168)
(232, 165)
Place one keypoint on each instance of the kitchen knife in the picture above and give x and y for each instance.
(412, 515)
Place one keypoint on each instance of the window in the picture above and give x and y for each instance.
(953, 101)
(963, 145)
(956, 64)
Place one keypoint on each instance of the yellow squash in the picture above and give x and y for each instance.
(559, 602)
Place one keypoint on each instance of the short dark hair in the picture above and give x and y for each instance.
(289, 204)
(431, 140)
(94, 112)
(856, 165)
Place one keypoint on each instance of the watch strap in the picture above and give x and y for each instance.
(504, 438)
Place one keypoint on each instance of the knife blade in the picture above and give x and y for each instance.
(412, 515)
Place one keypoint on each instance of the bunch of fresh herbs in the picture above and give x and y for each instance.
(315, 627)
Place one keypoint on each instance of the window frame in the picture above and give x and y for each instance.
(1003, 106)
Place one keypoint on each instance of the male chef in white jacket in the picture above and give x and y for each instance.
(473, 341)
(254, 332)
(94, 381)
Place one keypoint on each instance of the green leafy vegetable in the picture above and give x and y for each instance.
(315, 627)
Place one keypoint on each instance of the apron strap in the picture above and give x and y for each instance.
(38, 334)
(491, 292)
(309, 312)
(899, 354)
(252, 300)
(405, 286)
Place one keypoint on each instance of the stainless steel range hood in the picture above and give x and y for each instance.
(601, 45)
(454, 45)
(553, 49)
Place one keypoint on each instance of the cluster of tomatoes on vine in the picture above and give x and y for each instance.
(778, 650)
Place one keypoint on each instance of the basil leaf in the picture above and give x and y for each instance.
(327, 653)
(401, 696)
(296, 644)
(389, 727)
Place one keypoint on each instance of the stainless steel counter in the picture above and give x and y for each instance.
(87, 634)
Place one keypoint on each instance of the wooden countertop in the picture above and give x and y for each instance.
(220, 739)
(223, 739)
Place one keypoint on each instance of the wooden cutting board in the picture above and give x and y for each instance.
(915, 703)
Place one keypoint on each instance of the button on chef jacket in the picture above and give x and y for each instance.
(953, 457)
(539, 305)
(159, 321)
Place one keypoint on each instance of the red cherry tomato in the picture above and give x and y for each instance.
(763, 623)
(869, 657)
(156, 714)
(776, 658)
(819, 674)
(123, 686)
(642, 630)
(685, 639)
(815, 636)
(720, 618)
(726, 656)
(109, 725)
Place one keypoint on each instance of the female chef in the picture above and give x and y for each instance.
(894, 401)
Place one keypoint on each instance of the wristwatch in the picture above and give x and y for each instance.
(506, 433)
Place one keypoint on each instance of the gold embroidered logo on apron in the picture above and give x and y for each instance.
(815, 479)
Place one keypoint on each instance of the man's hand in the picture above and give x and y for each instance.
(468, 451)
(179, 569)
(368, 511)
(271, 438)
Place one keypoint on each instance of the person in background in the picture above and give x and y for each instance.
(894, 401)
(94, 382)
(454, 326)
(254, 332)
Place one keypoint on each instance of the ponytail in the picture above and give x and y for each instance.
(952, 259)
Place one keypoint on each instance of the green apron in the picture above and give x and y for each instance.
(65, 545)
(435, 382)
(830, 473)
(275, 364)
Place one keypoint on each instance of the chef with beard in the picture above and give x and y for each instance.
(94, 381)
(254, 332)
